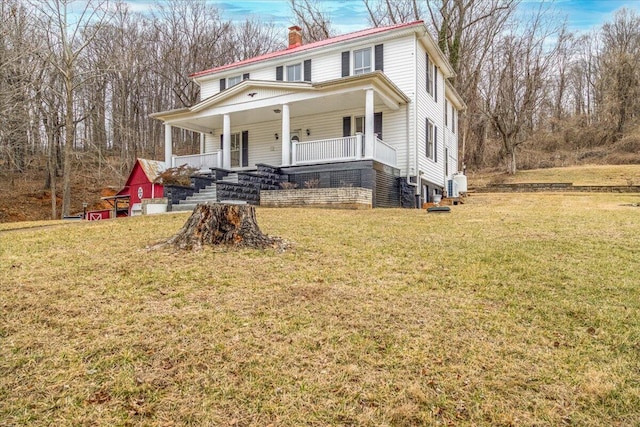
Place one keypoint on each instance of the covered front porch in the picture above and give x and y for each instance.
(289, 124)
(320, 151)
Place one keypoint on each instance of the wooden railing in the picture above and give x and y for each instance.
(199, 161)
(327, 150)
(340, 149)
(384, 153)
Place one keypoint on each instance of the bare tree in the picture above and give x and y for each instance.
(68, 36)
(391, 12)
(619, 65)
(513, 88)
(18, 64)
(315, 23)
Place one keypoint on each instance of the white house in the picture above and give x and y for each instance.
(372, 108)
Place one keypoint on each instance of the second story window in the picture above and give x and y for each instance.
(294, 73)
(430, 140)
(446, 112)
(430, 78)
(361, 61)
(232, 81)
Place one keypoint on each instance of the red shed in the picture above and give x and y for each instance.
(140, 184)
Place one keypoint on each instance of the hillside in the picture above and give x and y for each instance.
(22, 197)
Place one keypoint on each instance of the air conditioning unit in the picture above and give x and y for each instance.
(452, 188)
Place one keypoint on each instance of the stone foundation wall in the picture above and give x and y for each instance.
(340, 198)
(558, 187)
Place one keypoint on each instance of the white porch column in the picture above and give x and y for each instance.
(168, 146)
(369, 137)
(286, 136)
(202, 143)
(226, 142)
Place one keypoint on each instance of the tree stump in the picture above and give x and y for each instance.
(232, 225)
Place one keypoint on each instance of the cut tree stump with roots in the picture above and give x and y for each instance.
(220, 224)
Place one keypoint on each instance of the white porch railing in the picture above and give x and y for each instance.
(340, 149)
(327, 150)
(199, 161)
(384, 153)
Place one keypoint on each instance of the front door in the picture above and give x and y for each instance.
(236, 150)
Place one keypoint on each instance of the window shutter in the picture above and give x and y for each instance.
(377, 124)
(245, 148)
(279, 73)
(345, 64)
(435, 83)
(346, 126)
(245, 76)
(435, 144)
(221, 141)
(307, 70)
(379, 57)
(223, 84)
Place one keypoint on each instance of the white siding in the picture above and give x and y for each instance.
(432, 169)
(404, 129)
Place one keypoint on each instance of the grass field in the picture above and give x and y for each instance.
(512, 310)
(578, 175)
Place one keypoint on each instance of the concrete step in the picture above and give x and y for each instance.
(183, 207)
(199, 196)
(232, 178)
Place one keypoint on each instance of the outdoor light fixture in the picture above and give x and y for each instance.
(276, 135)
(308, 132)
(277, 111)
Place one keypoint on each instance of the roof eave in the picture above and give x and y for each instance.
(305, 48)
(456, 98)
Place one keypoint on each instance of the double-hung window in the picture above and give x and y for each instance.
(361, 61)
(430, 140)
(430, 77)
(359, 124)
(446, 112)
(294, 73)
(232, 81)
(453, 119)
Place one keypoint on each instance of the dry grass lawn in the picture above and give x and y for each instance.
(513, 310)
(578, 175)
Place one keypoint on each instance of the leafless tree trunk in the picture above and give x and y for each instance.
(315, 23)
(231, 225)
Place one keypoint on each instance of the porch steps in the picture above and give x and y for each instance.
(231, 178)
(209, 194)
(235, 188)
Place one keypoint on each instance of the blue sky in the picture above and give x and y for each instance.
(351, 15)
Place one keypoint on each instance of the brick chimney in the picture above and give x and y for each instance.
(295, 36)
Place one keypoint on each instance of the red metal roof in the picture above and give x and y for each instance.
(314, 45)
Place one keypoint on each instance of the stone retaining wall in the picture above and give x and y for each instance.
(558, 187)
(340, 198)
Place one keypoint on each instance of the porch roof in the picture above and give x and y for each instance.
(258, 98)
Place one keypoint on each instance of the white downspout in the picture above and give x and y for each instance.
(415, 114)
